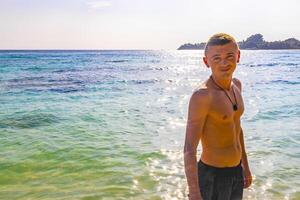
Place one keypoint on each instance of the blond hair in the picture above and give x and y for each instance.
(219, 39)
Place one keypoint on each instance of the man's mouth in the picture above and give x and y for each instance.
(225, 69)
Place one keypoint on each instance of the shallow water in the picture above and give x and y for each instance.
(111, 124)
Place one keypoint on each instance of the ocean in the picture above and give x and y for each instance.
(111, 124)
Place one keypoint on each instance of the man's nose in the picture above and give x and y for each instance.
(224, 61)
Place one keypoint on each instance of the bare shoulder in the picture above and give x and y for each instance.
(201, 95)
(238, 83)
(199, 105)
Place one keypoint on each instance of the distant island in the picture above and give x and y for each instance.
(254, 42)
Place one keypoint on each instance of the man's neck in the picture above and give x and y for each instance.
(224, 83)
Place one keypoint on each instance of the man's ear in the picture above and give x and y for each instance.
(239, 55)
(205, 62)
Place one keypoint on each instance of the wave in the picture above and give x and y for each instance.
(272, 64)
(264, 65)
(285, 82)
(116, 61)
(67, 90)
(282, 112)
(111, 82)
(67, 70)
(26, 79)
(291, 64)
(142, 81)
(29, 120)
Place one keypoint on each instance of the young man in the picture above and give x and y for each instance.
(214, 115)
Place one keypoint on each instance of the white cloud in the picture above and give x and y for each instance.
(99, 4)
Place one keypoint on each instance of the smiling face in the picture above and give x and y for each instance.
(222, 59)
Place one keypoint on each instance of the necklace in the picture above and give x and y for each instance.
(234, 105)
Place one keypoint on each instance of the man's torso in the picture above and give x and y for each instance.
(220, 139)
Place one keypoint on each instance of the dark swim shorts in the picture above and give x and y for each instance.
(220, 183)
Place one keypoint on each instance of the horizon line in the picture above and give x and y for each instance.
(86, 49)
(130, 49)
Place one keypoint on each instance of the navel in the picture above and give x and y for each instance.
(224, 117)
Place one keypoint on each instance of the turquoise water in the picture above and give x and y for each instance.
(111, 124)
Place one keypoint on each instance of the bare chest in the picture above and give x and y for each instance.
(222, 106)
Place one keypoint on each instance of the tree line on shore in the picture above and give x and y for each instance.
(254, 42)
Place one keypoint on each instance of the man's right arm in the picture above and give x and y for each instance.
(197, 113)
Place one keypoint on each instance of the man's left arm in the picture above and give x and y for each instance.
(245, 165)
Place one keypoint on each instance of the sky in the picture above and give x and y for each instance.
(140, 24)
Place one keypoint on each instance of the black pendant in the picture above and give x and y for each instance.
(235, 107)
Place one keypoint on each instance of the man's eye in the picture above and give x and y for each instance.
(216, 59)
(230, 57)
